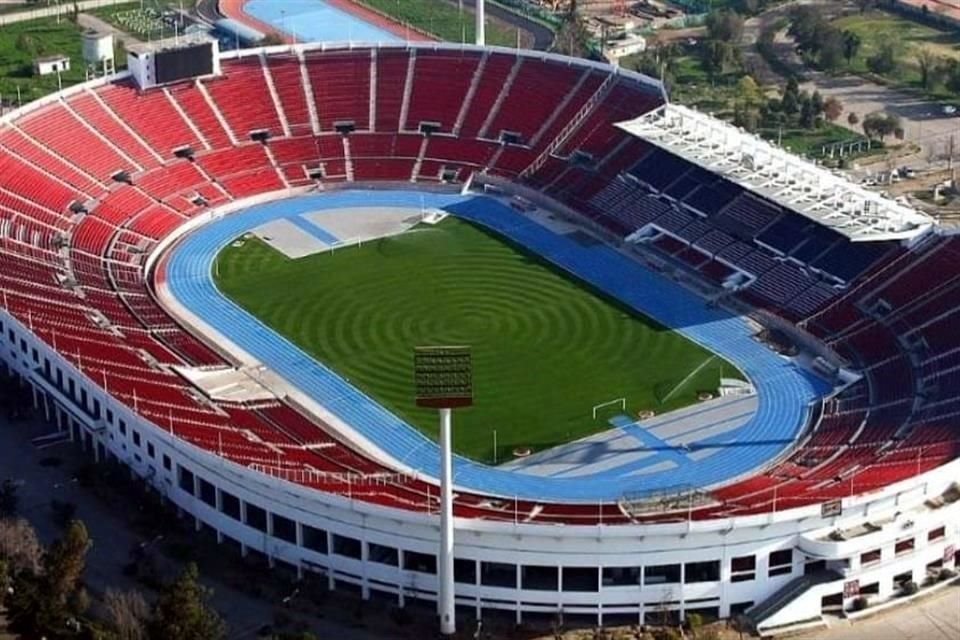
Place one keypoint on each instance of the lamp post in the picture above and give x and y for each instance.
(443, 381)
(481, 23)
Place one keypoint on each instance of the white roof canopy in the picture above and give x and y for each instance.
(795, 183)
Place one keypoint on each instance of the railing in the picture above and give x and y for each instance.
(315, 476)
(573, 125)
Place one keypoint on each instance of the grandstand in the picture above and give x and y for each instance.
(114, 200)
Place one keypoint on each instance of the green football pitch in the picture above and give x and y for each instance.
(546, 349)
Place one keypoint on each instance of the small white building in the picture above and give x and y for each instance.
(46, 65)
(616, 49)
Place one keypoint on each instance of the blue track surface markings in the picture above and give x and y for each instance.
(784, 391)
(315, 230)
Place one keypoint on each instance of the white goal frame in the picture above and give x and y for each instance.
(621, 401)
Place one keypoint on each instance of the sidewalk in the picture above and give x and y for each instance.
(48, 475)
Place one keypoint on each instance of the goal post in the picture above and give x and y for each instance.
(621, 401)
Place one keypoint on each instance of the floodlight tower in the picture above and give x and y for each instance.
(481, 22)
(443, 381)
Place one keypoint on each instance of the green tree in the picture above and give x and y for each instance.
(127, 612)
(182, 611)
(20, 547)
(65, 562)
(832, 109)
(790, 102)
(831, 50)
(747, 110)
(951, 72)
(718, 56)
(851, 45)
(573, 37)
(805, 21)
(879, 125)
(748, 91)
(724, 25)
(808, 111)
(659, 62)
(928, 62)
(884, 61)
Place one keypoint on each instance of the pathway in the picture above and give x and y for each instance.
(923, 120)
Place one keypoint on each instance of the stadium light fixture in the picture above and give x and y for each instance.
(443, 380)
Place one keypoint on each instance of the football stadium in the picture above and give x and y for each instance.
(707, 376)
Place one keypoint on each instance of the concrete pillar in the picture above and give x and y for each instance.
(364, 558)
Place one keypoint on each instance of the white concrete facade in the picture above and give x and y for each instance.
(610, 572)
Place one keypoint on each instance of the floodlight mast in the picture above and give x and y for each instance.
(446, 605)
(443, 380)
(481, 23)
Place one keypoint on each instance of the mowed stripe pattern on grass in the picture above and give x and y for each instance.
(546, 350)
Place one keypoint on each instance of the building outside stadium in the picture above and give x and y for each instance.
(839, 484)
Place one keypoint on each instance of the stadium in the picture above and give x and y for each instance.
(723, 377)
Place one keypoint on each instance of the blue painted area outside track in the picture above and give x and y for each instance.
(316, 21)
(784, 390)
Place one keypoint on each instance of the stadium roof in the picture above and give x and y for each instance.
(795, 183)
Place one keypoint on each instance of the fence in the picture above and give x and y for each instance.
(62, 8)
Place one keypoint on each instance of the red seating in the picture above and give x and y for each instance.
(23, 188)
(288, 81)
(94, 114)
(244, 100)
(551, 82)
(495, 73)
(341, 87)
(443, 79)
(152, 115)
(59, 131)
(253, 182)
(868, 436)
(201, 114)
(46, 163)
(391, 81)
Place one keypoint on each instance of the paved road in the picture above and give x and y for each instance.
(924, 123)
(933, 618)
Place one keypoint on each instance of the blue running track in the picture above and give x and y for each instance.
(784, 390)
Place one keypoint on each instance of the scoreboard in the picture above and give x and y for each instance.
(183, 63)
(154, 66)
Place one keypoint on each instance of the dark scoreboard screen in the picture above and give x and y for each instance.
(187, 62)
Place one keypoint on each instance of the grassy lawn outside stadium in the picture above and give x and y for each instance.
(545, 349)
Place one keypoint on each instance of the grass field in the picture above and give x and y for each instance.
(442, 19)
(21, 42)
(909, 37)
(545, 349)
